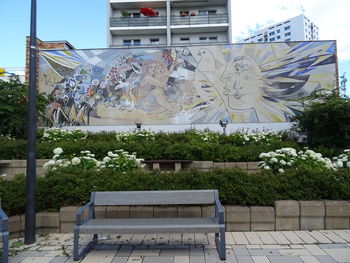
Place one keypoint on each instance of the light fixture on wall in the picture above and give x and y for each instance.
(223, 124)
(138, 126)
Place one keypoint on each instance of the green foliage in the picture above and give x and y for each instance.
(72, 186)
(13, 107)
(326, 122)
(58, 135)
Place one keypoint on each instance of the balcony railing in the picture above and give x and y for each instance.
(175, 20)
(200, 19)
(138, 21)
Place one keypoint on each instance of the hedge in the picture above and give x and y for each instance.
(72, 187)
(148, 150)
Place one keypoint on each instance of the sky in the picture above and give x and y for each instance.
(83, 23)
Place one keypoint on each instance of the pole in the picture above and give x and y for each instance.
(31, 147)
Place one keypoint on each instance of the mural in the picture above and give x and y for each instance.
(184, 85)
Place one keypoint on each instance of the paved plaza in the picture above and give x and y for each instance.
(323, 246)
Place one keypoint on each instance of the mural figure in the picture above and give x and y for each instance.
(184, 85)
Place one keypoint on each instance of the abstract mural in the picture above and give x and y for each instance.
(263, 82)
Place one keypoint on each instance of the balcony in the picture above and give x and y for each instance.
(175, 20)
(199, 19)
(138, 21)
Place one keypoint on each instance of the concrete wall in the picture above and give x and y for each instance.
(284, 215)
(9, 168)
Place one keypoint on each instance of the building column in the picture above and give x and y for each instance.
(168, 32)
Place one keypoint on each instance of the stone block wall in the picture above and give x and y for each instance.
(284, 215)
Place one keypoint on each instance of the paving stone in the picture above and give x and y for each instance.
(285, 259)
(37, 260)
(333, 236)
(332, 246)
(120, 259)
(260, 259)
(181, 259)
(61, 259)
(294, 252)
(240, 238)
(325, 259)
(196, 259)
(264, 252)
(341, 255)
(240, 250)
(159, 259)
(124, 251)
(244, 259)
(175, 252)
(315, 250)
(309, 259)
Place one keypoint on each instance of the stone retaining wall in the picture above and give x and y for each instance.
(13, 167)
(285, 215)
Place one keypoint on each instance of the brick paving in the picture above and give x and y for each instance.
(324, 246)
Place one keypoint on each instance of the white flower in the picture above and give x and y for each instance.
(267, 167)
(273, 160)
(51, 162)
(281, 170)
(340, 164)
(106, 159)
(58, 151)
(283, 162)
(348, 164)
(76, 161)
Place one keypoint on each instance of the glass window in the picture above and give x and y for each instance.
(154, 40)
(184, 39)
(202, 38)
(260, 40)
(278, 37)
(271, 33)
(287, 34)
(213, 38)
(287, 39)
(287, 28)
(211, 12)
(137, 42)
(272, 39)
(278, 31)
(126, 42)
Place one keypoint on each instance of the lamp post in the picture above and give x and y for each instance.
(29, 237)
(223, 124)
(138, 126)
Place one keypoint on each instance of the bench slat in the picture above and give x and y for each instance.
(150, 225)
(155, 197)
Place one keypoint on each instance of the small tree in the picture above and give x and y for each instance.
(326, 121)
(14, 106)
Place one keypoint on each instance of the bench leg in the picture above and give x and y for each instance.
(221, 243)
(76, 254)
(5, 247)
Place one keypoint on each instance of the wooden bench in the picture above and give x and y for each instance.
(150, 225)
(159, 164)
(4, 235)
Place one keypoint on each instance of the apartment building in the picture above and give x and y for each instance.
(168, 22)
(298, 28)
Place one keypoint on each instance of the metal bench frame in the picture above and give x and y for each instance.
(4, 233)
(129, 198)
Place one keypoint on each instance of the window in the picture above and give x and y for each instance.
(213, 39)
(271, 27)
(260, 40)
(287, 34)
(211, 12)
(207, 12)
(279, 25)
(278, 31)
(184, 39)
(287, 28)
(271, 33)
(202, 38)
(272, 39)
(259, 35)
(287, 39)
(126, 42)
(134, 14)
(278, 37)
(154, 41)
(131, 42)
(287, 22)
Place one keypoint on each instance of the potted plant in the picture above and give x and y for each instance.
(193, 14)
(182, 14)
(125, 13)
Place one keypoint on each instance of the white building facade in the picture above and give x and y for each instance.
(177, 22)
(298, 28)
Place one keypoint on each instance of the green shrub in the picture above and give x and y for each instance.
(326, 123)
(72, 186)
(14, 105)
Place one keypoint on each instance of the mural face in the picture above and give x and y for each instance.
(184, 85)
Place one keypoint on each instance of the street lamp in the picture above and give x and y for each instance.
(29, 236)
(138, 126)
(223, 124)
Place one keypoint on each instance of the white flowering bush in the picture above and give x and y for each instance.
(6, 137)
(204, 135)
(343, 160)
(119, 161)
(286, 158)
(135, 136)
(58, 134)
(266, 137)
